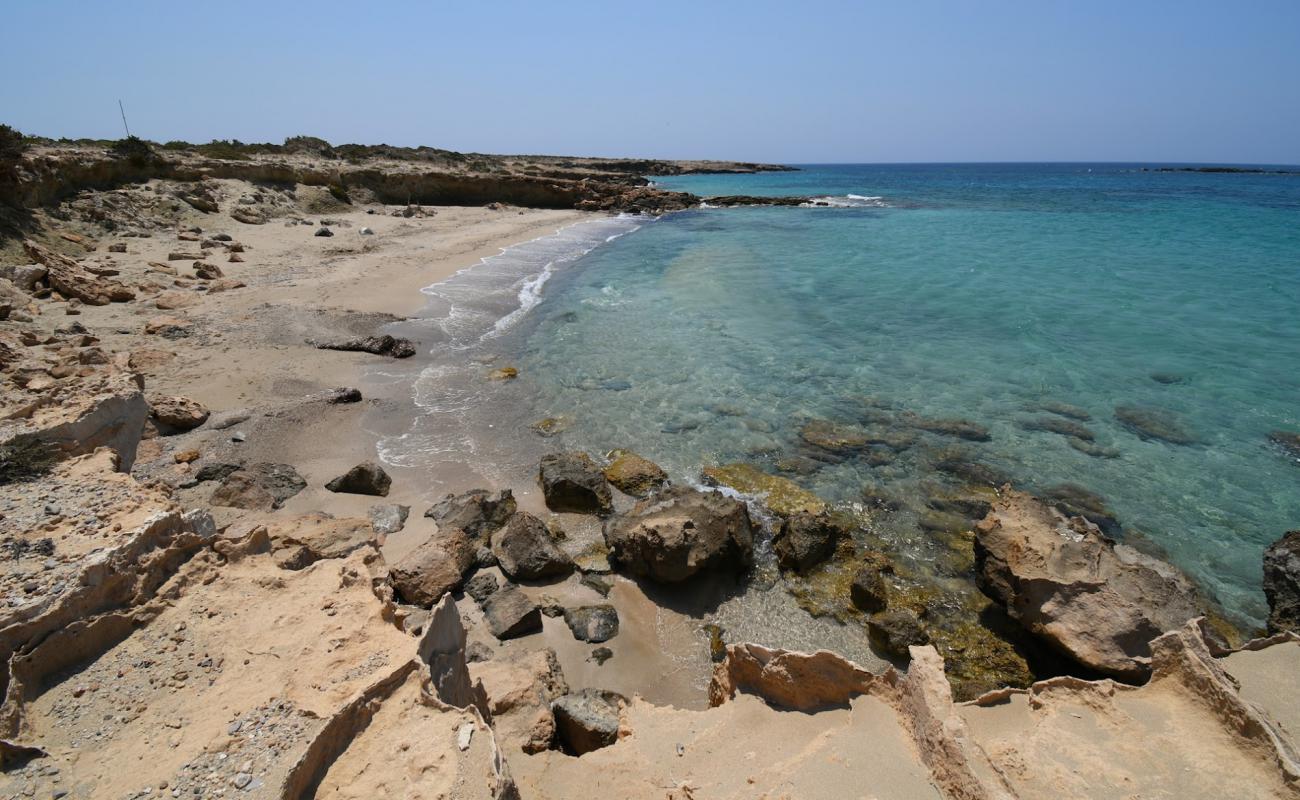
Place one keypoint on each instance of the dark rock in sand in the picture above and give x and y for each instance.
(1064, 427)
(573, 482)
(260, 486)
(323, 231)
(477, 512)
(365, 478)
(807, 539)
(376, 345)
(960, 428)
(344, 395)
(476, 652)
(389, 518)
(510, 614)
(437, 566)
(895, 630)
(597, 584)
(869, 592)
(216, 471)
(1152, 423)
(600, 655)
(1095, 601)
(1288, 441)
(592, 624)
(631, 474)
(587, 720)
(524, 550)
(1282, 583)
(679, 532)
(481, 586)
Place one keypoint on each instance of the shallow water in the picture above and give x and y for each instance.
(978, 292)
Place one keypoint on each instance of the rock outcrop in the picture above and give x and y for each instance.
(1282, 583)
(1096, 601)
(680, 531)
(72, 280)
(105, 409)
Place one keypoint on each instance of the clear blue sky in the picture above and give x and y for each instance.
(807, 81)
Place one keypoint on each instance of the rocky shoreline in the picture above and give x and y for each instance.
(212, 588)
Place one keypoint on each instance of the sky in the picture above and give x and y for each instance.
(797, 82)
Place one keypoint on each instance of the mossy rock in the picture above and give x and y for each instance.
(781, 495)
(550, 426)
(632, 474)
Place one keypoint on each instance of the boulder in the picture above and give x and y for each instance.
(806, 540)
(482, 586)
(519, 692)
(343, 395)
(1289, 441)
(592, 624)
(477, 512)
(261, 486)
(1096, 601)
(177, 413)
(376, 345)
(588, 720)
(510, 614)
(679, 532)
(434, 568)
(1282, 583)
(365, 478)
(389, 518)
(524, 550)
(787, 679)
(573, 482)
(206, 271)
(869, 591)
(72, 280)
(241, 490)
(896, 630)
(24, 276)
(631, 474)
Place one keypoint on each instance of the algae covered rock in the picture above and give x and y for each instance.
(1282, 583)
(781, 495)
(631, 474)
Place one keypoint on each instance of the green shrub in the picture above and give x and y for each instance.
(134, 149)
(12, 144)
(24, 458)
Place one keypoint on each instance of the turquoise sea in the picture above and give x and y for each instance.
(986, 293)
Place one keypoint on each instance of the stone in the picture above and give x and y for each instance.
(510, 614)
(477, 512)
(224, 285)
(24, 276)
(389, 518)
(477, 652)
(1289, 441)
(72, 280)
(633, 475)
(177, 413)
(384, 345)
(503, 374)
(241, 490)
(896, 630)
(524, 550)
(168, 327)
(365, 478)
(1095, 601)
(806, 540)
(437, 566)
(344, 395)
(600, 655)
(186, 456)
(482, 586)
(551, 426)
(869, 591)
(104, 409)
(261, 486)
(1282, 583)
(323, 231)
(1152, 423)
(592, 624)
(207, 272)
(573, 482)
(588, 720)
(1058, 425)
(959, 428)
(781, 495)
(170, 301)
(785, 679)
(679, 532)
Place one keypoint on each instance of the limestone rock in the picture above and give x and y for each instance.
(1096, 601)
(434, 568)
(72, 280)
(207, 272)
(573, 482)
(24, 276)
(1282, 583)
(782, 496)
(524, 550)
(631, 474)
(477, 512)
(365, 478)
(786, 679)
(679, 532)
(588, 720)
(510, 614)
(179, 413)
(105, 409)
(592, 624)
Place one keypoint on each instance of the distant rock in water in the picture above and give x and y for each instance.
(1168, 378)
(1152, 423)
(1289, 441)
(1062, 410)
(1282, 583)
(960, 428)
(1064, 427)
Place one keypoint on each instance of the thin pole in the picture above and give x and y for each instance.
(124, 125)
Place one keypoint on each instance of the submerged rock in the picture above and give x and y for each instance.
(1289, 441)
(588, 720)
(1152, 423)
(1064, 427)
(1093, 449)
(1097, 602)
(524, 550)
(476, 512)
(781, 495)
(679, 532)
(633, 475)
(1073, 500)
(1282, 583)
(592, 624)
(959, 428)
(1063, 410)
(365, 478)
(573, 482)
